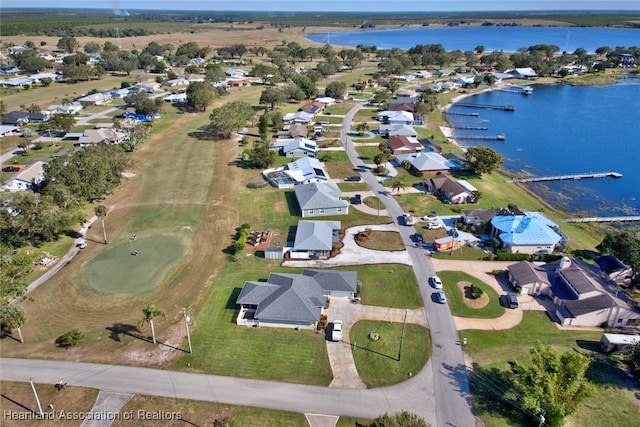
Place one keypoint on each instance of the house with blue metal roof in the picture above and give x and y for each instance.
(293, 300)
(526, 232)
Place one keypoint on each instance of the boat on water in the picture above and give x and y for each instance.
(527, 90)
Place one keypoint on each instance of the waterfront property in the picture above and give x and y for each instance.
(293, 300)
(404, 145)
(527, 232)
(429, 162)
(450, 190)
(581, 294)
(320, 199)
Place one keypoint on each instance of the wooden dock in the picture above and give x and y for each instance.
(456, 113)
(568, 177)
(486, 106)
(470, 127)
(605, 219)
(482, 137)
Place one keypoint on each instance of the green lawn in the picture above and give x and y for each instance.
(222, 347)
(383, 241)
(455, 298)
(614, 404)
(382, 363)
(390, 285)
(117, 270)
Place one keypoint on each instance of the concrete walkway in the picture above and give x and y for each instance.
(345, 374)
(109, 404)
(353, 254)
(363, 207)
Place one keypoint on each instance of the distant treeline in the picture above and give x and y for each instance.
(60, 22)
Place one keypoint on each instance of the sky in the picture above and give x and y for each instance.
(333, 5)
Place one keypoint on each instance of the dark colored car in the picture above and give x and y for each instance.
(10, 169)
(354, 178)
(356, 200)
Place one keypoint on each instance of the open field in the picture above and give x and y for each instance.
(382, 241)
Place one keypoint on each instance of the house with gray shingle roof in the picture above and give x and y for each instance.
(295, 147)
(320, 199)
(531, 279)
(427, 162)
(314, 239)
(397, 130)
(292, 300)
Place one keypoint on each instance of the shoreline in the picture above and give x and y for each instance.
(447, 131)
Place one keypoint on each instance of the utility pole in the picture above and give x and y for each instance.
(404, 324)
(186, 324)
(35, 393)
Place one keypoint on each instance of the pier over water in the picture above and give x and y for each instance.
(568, 177)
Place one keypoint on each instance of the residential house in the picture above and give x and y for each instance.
(389, 131)
(423, 74)
(23, 117)
(530, 278)
(305, 170)
(9, 130)
(96, 136)
(449, 189)
(299, 117)
(235, 72)
(402, 106)
(478, 217)
(149, 86)
(465, 81)
(175, 98)
(426, 162)
(404, 145)
(527, 232)
(239, 82)
(25, 179)
(443, 73)
(293, 300)
(314, 239)
(396, 117)
(617, 270)
(95, 99)
(522, 73)
(70, 108)
(320, 199)
(326, 100)
(313, 107)
(180, 81)
(586, 296)
(294, 130)
(295, 147)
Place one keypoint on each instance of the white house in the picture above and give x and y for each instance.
(296, 147)
(320, 199)
(396, 117)
(33, 174)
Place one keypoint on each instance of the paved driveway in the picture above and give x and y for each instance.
(345, 374)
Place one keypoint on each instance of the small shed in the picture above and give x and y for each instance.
(273, 252)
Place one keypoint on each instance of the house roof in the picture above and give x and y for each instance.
(296, 130)
(577, 279)
(429, 161)
(96, 136)
(34, 172)
(291, 144)
(295, 297)
(8, 129)
(526, 272)
(588, 305)
(319, 196)
(306, 168)
(299, 116)
(15, 116)
(402, 106)
(398, 130)
(404, 143)
(448, 185)
(315, 235)
(532, 228)
(610, 263)
(392, 116)
(313, 107)
(482, 215)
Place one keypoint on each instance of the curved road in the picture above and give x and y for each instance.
(445, 375)
(439, 393)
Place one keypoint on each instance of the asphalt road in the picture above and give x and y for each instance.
(449, 381)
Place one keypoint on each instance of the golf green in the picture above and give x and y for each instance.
(133, 266)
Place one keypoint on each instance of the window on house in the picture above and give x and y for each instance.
(310, 211)
(321, 211)
(339, 209)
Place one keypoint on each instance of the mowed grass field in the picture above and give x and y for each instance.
(184, 188)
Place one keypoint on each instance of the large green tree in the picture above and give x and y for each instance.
(14, 267)
(68, 44)
(483, 159)
(229, 118)
(335, 90)
(553, 384)
(200, 95)
(272, 96)
(12, 317)
(149, 313)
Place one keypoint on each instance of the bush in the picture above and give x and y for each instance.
(476, 292)
(70, 339)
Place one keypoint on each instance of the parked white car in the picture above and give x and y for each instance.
(336, 332)
(435, 282)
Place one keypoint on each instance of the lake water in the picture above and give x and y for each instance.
(563, 129)
(507, 39)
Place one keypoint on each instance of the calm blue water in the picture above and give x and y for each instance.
(507, 39)
(568, 129)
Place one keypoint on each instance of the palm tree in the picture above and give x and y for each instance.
(362, 127)
(398, 185)
(148, 314)
(101, 211)
(12, 317)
